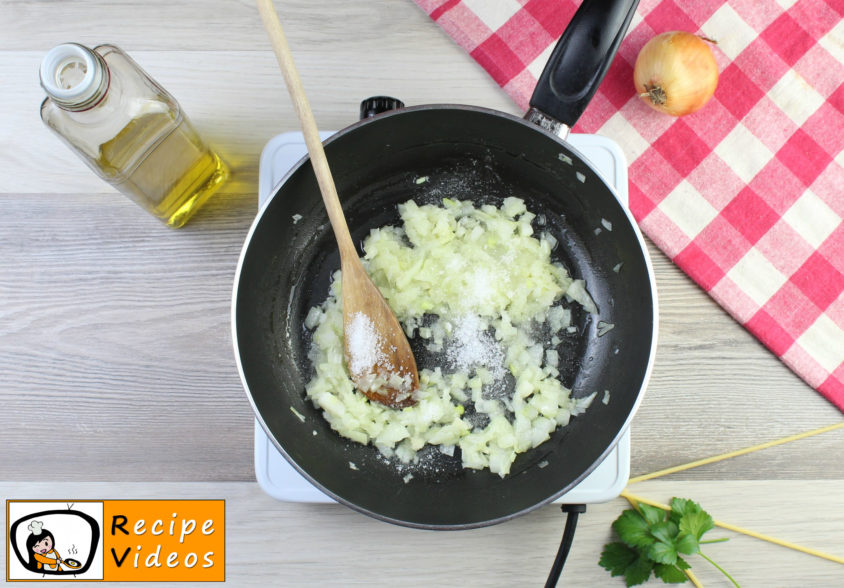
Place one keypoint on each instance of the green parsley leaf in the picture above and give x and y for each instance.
(652, 542)
(632, 529)
(617, 557)
(681, 506)
(639, 571)
(662, 552)
(665, 531)
(687, 544)
(696, 523)
(670, 574)
(652, 514)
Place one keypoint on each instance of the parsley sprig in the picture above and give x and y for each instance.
(652, 541)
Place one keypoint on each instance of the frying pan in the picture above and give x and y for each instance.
(473, 153)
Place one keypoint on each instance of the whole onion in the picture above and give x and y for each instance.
(676, 73)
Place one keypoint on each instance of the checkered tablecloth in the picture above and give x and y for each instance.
(745, 195)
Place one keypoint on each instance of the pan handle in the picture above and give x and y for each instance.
(375, 105)
(579, 62)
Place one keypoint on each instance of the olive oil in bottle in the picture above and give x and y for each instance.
(129, 130)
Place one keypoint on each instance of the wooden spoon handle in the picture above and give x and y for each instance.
(309, 128)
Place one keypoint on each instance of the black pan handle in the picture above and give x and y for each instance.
(375, 105)
(581, 59)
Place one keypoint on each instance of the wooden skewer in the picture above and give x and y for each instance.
(633, 499)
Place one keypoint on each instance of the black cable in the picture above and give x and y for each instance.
(572, 512)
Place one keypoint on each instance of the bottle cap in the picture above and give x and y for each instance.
(72, 75)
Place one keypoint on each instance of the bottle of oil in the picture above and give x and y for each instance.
(129, 130)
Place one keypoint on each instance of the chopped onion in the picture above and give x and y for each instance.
(604, 328)
(475, 282)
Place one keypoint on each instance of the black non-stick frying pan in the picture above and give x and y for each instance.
(467, 153)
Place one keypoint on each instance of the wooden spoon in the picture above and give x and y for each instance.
(378, 355)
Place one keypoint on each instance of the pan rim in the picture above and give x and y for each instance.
(645, 378)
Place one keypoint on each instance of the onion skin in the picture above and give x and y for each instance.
(675, 73)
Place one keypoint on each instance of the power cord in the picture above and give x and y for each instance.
(572, 512)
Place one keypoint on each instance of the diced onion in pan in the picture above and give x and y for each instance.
(484, 295)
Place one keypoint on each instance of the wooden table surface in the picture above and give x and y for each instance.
(117, 377)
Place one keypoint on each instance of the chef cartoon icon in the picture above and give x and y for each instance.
(54, 540)
(41, 547)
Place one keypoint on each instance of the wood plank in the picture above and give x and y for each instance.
(119, 327)
(277, 543)
(115, 337)
(210, 25)
(237, 101)
(115, 340)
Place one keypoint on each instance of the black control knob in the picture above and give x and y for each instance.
(378, 104)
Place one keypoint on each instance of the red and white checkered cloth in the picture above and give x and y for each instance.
(747, 194)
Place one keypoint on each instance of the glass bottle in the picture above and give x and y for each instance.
(129, 130)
